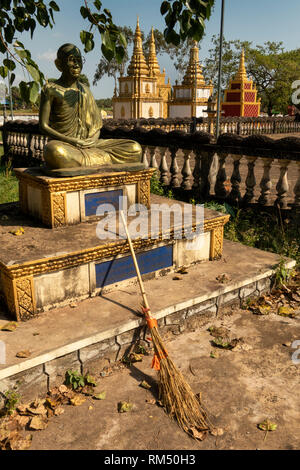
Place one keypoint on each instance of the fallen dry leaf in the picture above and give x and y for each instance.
(286, 312)
(23, 354)
(177, 278)
(59, 411)
(124, 406)
(197, 434)
(151, 401)
(100, 396)
(11, 326)
(21, 444)
(63, 389)
(38, 423)
(22, 420)
(73, 305)
(217, 432)
(145, 384)
(223, 278)
(18, 232)
(77, 400)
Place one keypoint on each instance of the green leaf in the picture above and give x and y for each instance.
(24, 91)
(98, 4)
(33, 92)
(33, 72)
(3, 71)
(9, 64)
(108, 53)
(165, 6)
(54, 6)
(84, 13)
(120, 54)
(12, 78)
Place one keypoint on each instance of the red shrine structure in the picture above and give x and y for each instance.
(240, 98)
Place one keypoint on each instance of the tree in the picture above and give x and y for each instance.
(184, 19)
(114, 68)
(272, 69)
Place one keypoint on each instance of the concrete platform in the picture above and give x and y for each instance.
(102, 327)
(43, 268)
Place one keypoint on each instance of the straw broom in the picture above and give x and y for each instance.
(175, 394)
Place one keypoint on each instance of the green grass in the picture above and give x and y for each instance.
(261, 229)
(9, 190)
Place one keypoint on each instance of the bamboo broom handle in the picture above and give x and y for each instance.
(136, 265)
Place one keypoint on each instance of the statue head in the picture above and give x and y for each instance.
(69, 60)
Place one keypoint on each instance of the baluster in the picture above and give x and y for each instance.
(174, 170)
(220, 187)
(296, 204)
(266, 183)
(197, 171)
(145, 159)
(282, 186)
(153, 162)
(26, 142)
(235, 193)
(250, 181)
(35, 146)
(163, 168)
(14, 143)
(209, 168)
(186, 171)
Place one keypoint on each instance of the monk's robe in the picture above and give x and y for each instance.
(74, 113)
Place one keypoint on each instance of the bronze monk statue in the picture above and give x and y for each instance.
(71, 119)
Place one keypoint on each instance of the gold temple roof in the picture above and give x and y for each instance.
(242, 73)
(152, 59)
(138, 65)
(194, 68)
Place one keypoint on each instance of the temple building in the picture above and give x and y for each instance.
(143, 93)
(190, 99)
(240, 98)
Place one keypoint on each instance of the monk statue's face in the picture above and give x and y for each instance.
(70, 64)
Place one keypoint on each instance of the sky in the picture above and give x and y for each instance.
(256, 20)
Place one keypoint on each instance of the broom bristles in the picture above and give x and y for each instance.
(176, 394)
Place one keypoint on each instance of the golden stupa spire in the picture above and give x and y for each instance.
(138, 65)
(152, 59)
(242, 73)
(194, 69)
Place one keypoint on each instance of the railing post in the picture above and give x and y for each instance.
(220, 189)
(282, 186)
(197, 170)
(250, 181)
(235, 193)
(266, 183)
(174, 168)
(186, 171)
(163, 168)
(296, 203)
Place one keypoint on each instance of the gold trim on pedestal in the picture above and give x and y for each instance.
(216, 243)
(19, 296)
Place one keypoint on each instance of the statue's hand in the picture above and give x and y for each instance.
(85, 143)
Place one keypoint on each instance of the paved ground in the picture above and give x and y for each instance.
(240, 388)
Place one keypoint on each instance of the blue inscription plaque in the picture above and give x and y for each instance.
(120, 269)
(93, 200)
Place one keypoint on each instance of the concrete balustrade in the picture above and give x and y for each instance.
(247, 170)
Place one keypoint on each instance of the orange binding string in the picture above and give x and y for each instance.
(151, 322)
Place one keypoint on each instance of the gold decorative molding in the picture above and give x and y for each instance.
(58, 209)
(19, 296)
(107, 250)
(143, 193)
(55, 185)
(216, 243)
